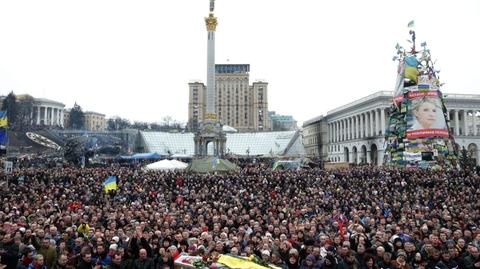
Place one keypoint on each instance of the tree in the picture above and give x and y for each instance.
(111, 125)
(77, 118)
(140, 125)
(116, 124)
(24, 112)
(10, 105)
(466, 160)
(155, 126)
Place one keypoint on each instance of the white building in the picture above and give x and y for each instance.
(356, 130)
(48, 112)
(45, 111)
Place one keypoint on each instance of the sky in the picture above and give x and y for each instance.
(134, 59)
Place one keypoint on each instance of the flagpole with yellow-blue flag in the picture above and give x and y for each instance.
(3, 119)
(110, 183)
(3, 130)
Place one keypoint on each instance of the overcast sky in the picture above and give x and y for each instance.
(135, 58)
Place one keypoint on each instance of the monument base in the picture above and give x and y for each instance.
(210, 131)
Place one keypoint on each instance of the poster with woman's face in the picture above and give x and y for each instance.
(425, 115)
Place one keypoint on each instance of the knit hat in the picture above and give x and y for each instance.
(402, 253)
(311, 258)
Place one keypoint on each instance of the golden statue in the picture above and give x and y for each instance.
(211, 22)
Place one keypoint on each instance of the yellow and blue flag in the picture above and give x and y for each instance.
(110, 183)
(3, 119)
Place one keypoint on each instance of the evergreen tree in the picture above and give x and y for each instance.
(466, 161)
(11, 106)
(24, 112)
(77, 118)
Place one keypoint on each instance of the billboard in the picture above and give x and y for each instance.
(425, 117)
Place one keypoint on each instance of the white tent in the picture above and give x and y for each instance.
(166, 165)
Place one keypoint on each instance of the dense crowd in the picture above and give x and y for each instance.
(357, 218)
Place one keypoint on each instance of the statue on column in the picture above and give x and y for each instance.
(212, 5)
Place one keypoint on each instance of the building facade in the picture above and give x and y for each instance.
(356, 130)
(45, 112)
(237, 103)
(95, 121)
(314, 135)
(279, 122)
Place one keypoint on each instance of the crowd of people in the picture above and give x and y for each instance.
(365, 217)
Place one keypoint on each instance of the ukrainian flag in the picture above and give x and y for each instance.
(3, 119)
(110, 183)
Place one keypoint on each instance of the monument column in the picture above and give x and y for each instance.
(464, 116)
(211, 23)
(211, 128)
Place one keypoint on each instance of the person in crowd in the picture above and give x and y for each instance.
(37, 263)
(143, 261)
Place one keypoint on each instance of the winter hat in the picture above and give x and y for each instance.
(311, 258)
(402, 253)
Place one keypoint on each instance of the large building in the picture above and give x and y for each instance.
(355, 131)
(279, 122)
(237, 103)
(314, 135)
(45, 112)
(93, 121)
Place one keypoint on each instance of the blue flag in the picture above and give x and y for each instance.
(3, 136)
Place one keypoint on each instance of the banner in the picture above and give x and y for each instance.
(425, 116)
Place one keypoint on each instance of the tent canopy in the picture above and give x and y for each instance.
(287, 164)
(142, 156)
(166, 165)
(211, 165)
